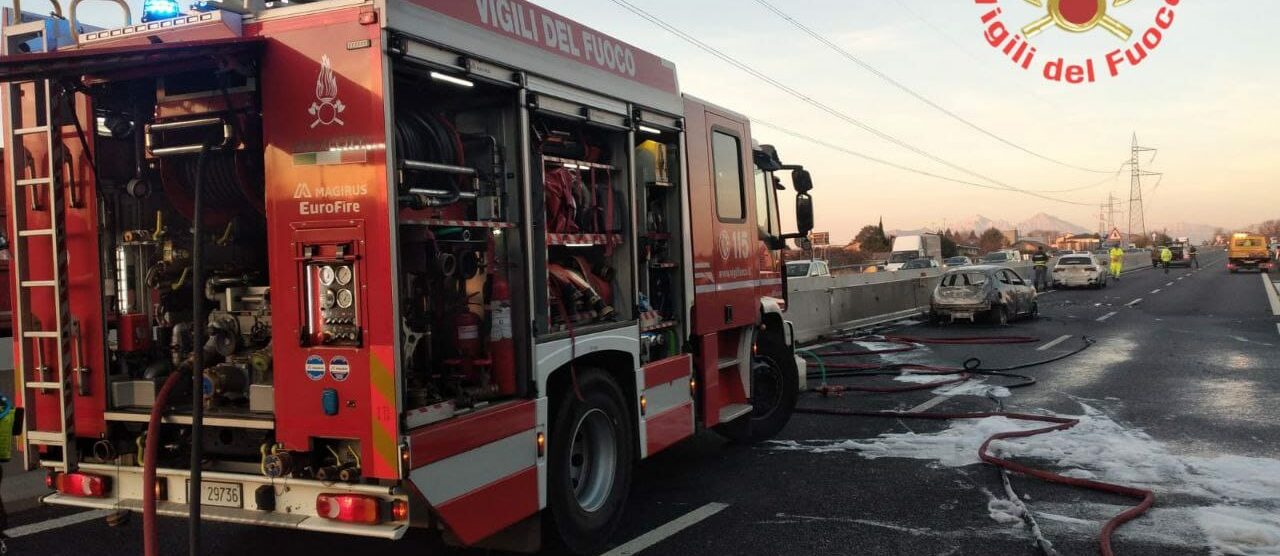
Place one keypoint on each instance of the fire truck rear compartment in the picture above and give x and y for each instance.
(149, 134)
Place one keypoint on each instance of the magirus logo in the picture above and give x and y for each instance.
(1078, 16)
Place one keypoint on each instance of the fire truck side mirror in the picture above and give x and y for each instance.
(801, 181)
(804, 213)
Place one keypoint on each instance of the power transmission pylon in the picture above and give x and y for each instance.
(1136, 214)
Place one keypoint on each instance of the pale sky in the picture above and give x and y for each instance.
(1206, 97)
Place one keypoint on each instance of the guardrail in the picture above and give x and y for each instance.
(823, 305)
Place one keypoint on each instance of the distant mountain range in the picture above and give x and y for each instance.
(979, 223)
(1050, 223)
(1044, 222)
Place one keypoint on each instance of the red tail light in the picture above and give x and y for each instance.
(79, 484)
(351, 508)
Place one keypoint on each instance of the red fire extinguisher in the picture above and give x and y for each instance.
(466, 326)
(502, 351)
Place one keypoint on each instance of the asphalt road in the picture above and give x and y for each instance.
(1180, 393)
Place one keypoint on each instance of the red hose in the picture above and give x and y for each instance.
(1057, 424)
(1146, 497)
(150, 540)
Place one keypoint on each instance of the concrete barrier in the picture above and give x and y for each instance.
(821, 306)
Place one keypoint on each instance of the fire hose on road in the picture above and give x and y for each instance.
(971, 369)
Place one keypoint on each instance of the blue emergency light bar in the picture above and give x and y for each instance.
(156, 10)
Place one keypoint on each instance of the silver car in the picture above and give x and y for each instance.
(995, 292)
(1080, 271)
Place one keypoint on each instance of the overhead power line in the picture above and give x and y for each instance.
(830, 110)
(881, 161)
(920, 97)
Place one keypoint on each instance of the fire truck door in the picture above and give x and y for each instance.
(724, 237)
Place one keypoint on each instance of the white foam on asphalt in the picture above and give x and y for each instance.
(1237, 497)
(973, 388)
(921, 379)
(1004, 511)
(1240, 531)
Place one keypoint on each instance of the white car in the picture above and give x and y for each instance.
(1080, 271)
(1003, 256)
(807, 268)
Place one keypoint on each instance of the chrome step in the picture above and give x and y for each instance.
(734, 411)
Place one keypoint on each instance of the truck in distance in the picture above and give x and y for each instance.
(908, 248)
(1248, 251)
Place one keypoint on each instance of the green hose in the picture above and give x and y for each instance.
(817, 359)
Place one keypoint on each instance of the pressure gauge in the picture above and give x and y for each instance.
(326, 300)
(345, 299)
(344, 275)
(326, 275)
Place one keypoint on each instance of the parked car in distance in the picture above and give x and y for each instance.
(954, 262)
(995, 292)
(918, 264)
(1002, 256)
(807, 268)
(1080, 271)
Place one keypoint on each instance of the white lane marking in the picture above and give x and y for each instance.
(1060, 339)
(1169, 284)
(1181, 278)
(58, 523)
(1278, 327)
(639, 544)
(1271, 294)
(1157, 290)
(1134, 302)
(928, 405)
(1103, 318)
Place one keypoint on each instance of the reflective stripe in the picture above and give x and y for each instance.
(744, 284)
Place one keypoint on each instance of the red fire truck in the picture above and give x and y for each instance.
(363, 265)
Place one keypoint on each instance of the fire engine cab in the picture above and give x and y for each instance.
(363, 265)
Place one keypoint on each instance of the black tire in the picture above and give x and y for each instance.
(585, 499)
(775, 387)
(1000, 315)
(1035, 310)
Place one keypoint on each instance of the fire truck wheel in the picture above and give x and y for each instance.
(590, 456)
(775, 386)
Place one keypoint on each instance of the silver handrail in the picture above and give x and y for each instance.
(227, 134)
(75, 4)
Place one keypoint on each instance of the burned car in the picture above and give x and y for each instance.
(995, 292)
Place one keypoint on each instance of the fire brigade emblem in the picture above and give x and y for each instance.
(1078, 16)
(327, 108)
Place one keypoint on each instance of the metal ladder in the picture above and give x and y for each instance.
(34, 372)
